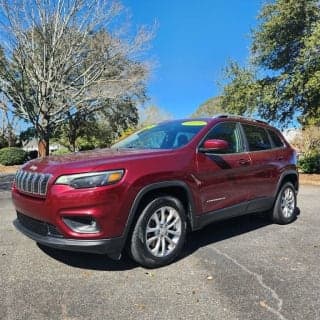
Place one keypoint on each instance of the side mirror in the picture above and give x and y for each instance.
(214, 145)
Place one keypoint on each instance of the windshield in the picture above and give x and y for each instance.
(169, 135)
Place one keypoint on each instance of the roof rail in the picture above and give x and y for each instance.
(234, 116)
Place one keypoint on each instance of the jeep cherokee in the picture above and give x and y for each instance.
(147, 190)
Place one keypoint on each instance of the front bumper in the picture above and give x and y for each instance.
(111, 247)
(103, 204)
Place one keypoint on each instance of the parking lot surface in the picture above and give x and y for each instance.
(244, 268)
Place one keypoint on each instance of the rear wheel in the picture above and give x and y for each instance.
(159, 233)
(285, 207)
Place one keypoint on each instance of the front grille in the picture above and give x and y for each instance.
(38, 227)
(32, 182)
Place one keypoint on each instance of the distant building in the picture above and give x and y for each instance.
(33, 145)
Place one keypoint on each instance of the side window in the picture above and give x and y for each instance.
(229, 132)
(277, 142)
(257, 137)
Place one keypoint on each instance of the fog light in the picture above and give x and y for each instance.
(82, 224)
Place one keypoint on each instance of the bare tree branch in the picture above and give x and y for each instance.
(67, 56)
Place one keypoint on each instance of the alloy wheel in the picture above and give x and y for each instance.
(288, 202)
(163, 231)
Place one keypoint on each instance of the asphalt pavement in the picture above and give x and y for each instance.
(244, 268)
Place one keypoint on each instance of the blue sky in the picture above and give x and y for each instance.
(193, 43)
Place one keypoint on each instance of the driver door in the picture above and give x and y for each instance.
(224, 173)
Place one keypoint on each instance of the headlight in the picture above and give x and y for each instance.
(91, 179)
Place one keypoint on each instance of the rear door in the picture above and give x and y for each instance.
(264, 166)
(222, 176)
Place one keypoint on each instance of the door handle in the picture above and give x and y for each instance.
(280, 158)
(244, 162)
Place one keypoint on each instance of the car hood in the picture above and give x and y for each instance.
(100, 159)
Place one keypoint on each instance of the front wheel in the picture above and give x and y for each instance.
(285, 207)
(159, 233)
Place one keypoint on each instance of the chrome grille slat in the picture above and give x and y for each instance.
(37, 183)
(16, 179)
(29, 182)
(24, 181)
(32, 182)
(40, 183)
(20, 179)
(23, 178)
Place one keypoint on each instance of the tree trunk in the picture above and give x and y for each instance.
(73, 146)
(44, 134)
(43, 148)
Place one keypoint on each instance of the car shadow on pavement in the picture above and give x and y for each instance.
(226, 229)
(211, 234)
(223, 230)
(89, 260)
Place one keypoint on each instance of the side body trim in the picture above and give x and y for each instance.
(256, 205)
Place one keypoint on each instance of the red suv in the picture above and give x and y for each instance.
(147, 190)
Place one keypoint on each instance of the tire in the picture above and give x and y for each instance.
(285, 207)
(159, 233)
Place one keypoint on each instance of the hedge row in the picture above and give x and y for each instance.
(12, 156)
(310, 162)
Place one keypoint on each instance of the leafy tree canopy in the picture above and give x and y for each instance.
(278, 39)
(99, 129)
(282, 81)
(209, 108)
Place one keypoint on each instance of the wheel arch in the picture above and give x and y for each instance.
(176, 188)
(288, 176)
(277, 214)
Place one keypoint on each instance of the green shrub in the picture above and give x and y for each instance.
(61, 152)
(86, 145)
(310, 162)
(12, 156)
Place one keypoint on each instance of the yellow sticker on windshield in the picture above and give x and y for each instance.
(194, 123)
(149, 127)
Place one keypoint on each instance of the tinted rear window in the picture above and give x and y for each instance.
(277, 142)
(257, 138)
